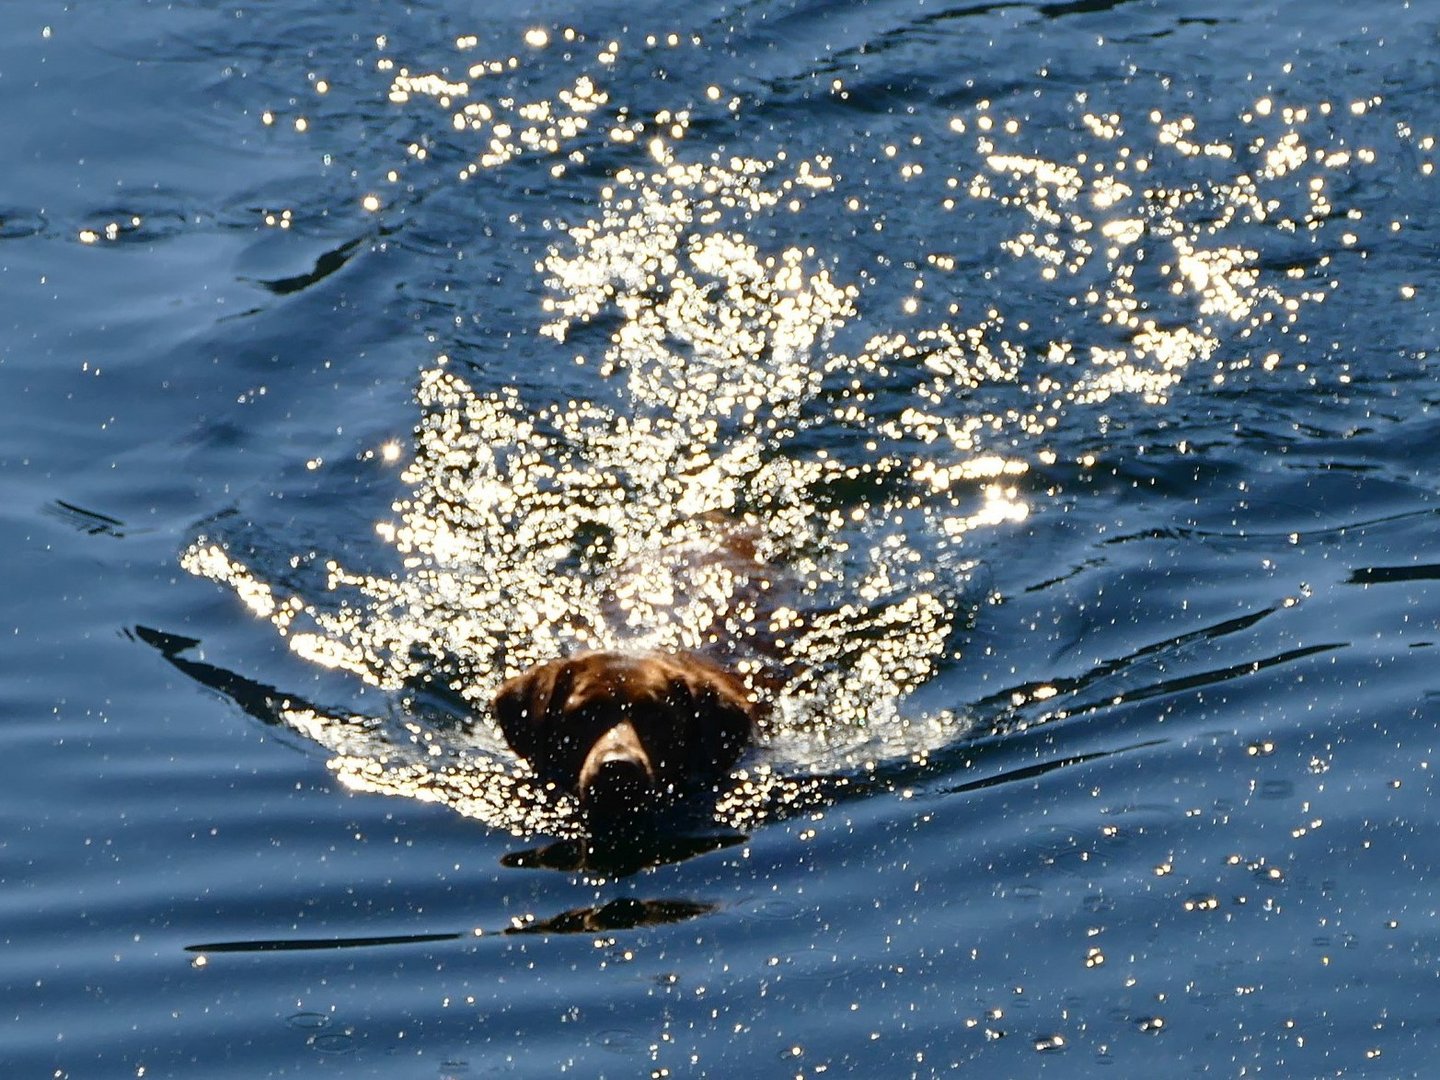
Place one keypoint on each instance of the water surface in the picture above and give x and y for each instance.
(1068, 368)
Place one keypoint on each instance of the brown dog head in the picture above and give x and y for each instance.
(627, 732)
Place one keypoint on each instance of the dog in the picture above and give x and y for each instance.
(627, 734)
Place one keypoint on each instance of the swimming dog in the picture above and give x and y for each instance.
(627, 734)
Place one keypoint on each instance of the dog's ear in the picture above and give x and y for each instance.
(729, 715)
(527, 707)
(718, 713)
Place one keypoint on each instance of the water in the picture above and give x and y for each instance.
(1068, 368)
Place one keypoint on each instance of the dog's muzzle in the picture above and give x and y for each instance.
(617, 778)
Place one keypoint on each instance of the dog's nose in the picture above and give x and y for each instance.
(617, 778)
(618, 789)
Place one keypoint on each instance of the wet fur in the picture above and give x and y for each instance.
(627, 733)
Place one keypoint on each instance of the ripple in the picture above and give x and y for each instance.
(1277, 790)
(338, 1042)
(17, 223)
(308, 1021)
(624, 1041)
(774, 909)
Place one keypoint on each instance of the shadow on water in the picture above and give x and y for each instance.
(89, 522)
(327, 263)
(1385, 575)
(625, 913)
(262, 702)
(620, 856)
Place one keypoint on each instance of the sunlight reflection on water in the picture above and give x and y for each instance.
(732, 482)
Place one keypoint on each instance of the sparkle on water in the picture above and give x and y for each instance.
(733, 482)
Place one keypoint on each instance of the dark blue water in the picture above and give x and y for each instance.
(1072, 366)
